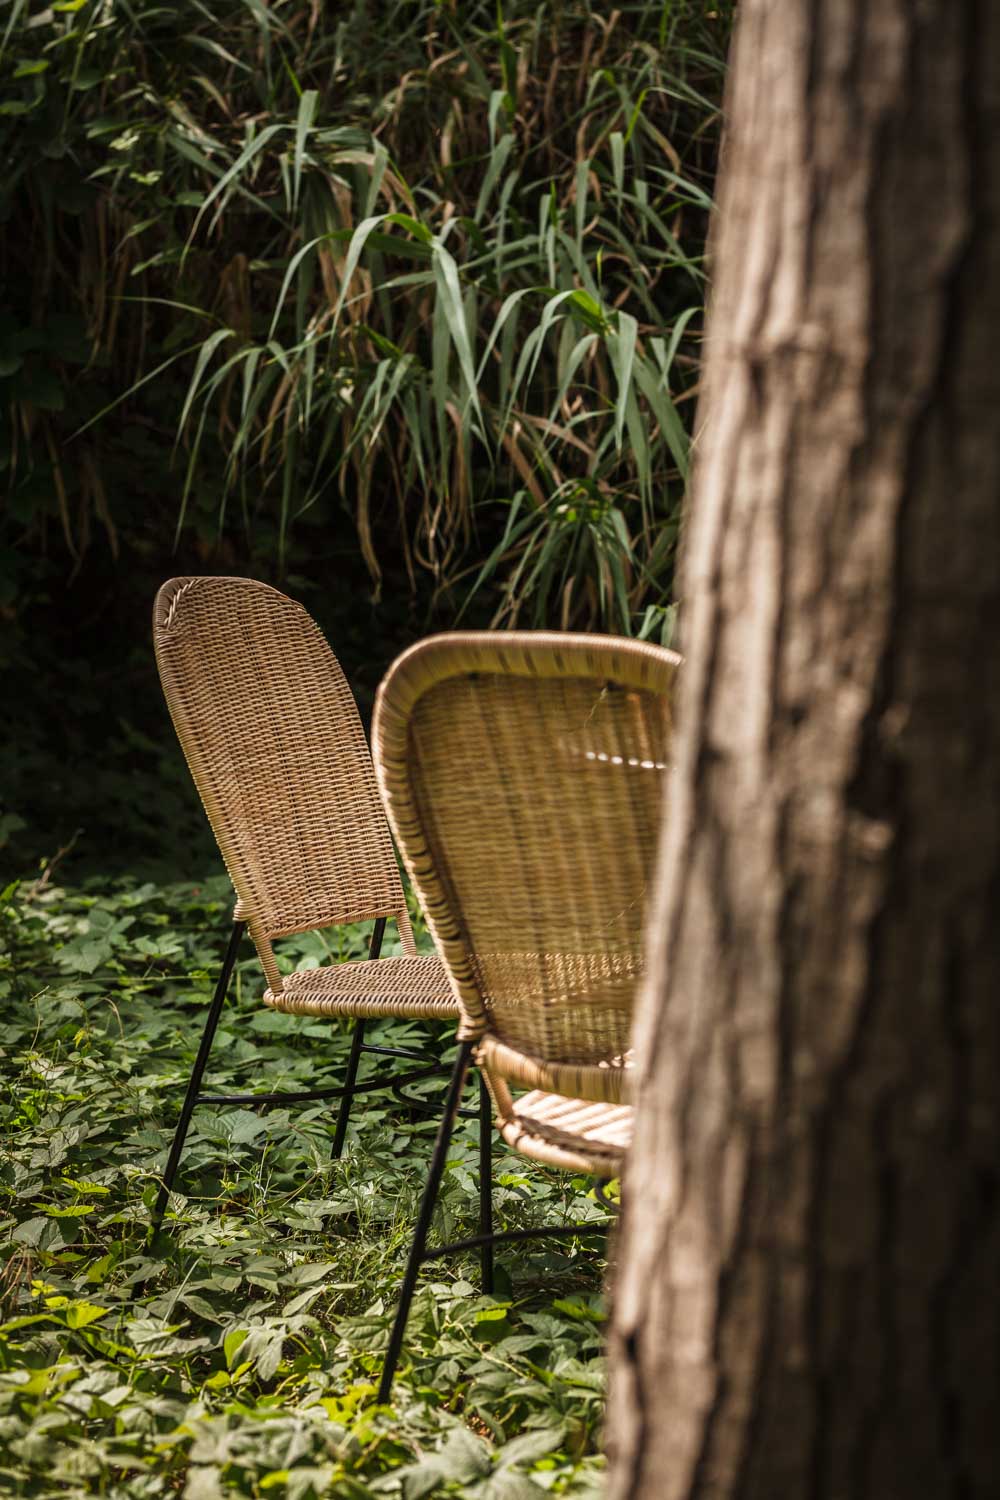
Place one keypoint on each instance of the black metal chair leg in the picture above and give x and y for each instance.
(194, 1082)
(423, 1224)
(343, 1114)
(486, 1183)
(357, 1045)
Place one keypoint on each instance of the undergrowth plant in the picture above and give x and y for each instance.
(239, 1354)
(437, 267)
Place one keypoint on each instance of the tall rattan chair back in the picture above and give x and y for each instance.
(524, 774)
(276, 747)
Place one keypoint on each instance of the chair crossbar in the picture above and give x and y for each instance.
(370, 1086)
(394, 1051)
(507, 1236)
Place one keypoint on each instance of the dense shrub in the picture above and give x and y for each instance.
(433, 267)
(394, 304)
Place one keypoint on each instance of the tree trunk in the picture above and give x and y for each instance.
(808, 1305)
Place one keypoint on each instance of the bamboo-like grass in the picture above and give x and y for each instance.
(443, 261)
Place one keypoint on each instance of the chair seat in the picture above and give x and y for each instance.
(414, 987)
(578, 1134)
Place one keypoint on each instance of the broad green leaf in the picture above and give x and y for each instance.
(622, 346)
(530, 1446)
(303, 125)
(505, 1485)
(82, 1314)
(450, 302)
(380, 162)
(653, 387)
(231, 1344)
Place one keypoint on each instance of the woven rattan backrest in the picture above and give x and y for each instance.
(523, 773)
(275, 744)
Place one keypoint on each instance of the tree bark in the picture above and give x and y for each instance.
(808, 1301)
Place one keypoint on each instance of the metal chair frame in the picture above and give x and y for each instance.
(345, 1092)
(487, 1238)
(419, 1254)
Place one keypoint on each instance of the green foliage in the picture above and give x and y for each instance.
(496, 320)
(94, 208)
(239, 1357)
(434, 269)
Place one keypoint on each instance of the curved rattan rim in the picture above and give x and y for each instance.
(522, 653)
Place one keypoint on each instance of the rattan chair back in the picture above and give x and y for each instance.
(523, 774)
(275, 744)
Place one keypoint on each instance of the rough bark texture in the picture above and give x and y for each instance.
(808, 1305)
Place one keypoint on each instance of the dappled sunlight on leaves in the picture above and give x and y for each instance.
(240, 1355)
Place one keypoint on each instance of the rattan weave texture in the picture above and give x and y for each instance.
(275, 744)
(524, 774)
(388, 987)
(577, 1134)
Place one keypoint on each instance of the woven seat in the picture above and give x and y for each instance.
(577, 1134)
(275, 745)
(416, 988)
(524, 774)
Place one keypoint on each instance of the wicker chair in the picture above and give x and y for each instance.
(523, 775)
(275, 744)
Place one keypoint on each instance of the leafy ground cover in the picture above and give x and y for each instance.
(238, 1355)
